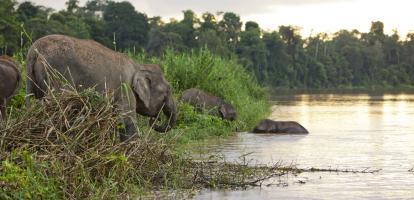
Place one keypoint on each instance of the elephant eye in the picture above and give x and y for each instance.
(149, 80)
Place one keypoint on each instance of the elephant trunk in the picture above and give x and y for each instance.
(170, 110)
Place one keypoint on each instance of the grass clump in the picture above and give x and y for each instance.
(73, 135)
(221, 77)
(67, 147)
(22, 178)
(193, 126)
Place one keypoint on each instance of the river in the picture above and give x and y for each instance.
(348, 130)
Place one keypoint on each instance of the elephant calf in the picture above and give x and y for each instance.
(204, 100)
(270, 126)
(9, 82)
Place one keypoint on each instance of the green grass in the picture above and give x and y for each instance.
(53, 151)
(23, 178)
(221, 77)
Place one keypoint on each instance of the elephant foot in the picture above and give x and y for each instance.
(127, 132)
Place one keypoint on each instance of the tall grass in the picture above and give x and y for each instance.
(221, 77)
(67, 146)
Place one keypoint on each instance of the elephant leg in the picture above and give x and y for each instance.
(129, 131)
(3, 109)
(127, 107)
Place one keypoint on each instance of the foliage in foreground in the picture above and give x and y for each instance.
(72, 138)
(204, 70)
(67, 146)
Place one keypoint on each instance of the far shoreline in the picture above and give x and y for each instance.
(356, 90)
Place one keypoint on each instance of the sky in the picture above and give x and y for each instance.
(312, 16)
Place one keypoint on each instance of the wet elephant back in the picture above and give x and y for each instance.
(291, 127)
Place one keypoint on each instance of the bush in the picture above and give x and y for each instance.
(76, 134)
(67, 145)
(224, 78)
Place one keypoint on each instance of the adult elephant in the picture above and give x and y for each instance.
(9, 82)
(270, 126)
(209, 102)
(86, 63)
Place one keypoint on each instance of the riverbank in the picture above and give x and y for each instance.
(345, 90)
(66, 146)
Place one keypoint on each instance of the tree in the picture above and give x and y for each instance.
(278, 61)
(230, 29)
(292, 38)
(155, 22)
(209, 22)
(187, 28)
(376, 34)
(279, 58)
(377, 28)
(392, 49)
(72, 5)
(159, 41)
(349, 59)
(9, 28)
(128, 27)
(252, 52)
(27, 11)
(96, 5)
(210, 39)
(250, 25)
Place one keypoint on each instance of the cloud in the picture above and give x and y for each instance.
(242, 7)
(170, 8)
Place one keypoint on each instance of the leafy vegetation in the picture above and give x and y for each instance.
(280, 58)
(53, 151)
(222, 77)
(67, 146)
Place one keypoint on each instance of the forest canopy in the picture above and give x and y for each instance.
(281, 58)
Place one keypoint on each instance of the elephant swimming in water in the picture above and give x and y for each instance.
(270, 126)
(86, 63)
(204, 100)
(10, 80)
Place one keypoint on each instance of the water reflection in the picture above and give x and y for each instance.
(347, 130)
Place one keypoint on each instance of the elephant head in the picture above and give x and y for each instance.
(153, 95)
(227, 111)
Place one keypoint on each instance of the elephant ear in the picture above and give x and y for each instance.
(141, 87)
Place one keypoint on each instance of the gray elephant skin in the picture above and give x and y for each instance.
(86, 63)
(206, 101)
(10, 80)
(288, 127)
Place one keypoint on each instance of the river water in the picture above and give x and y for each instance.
(347, 131)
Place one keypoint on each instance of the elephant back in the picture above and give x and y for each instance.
(85, 63)
(200, 98)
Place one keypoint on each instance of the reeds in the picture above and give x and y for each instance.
(67, 146)
(76, 135)
(72, 138)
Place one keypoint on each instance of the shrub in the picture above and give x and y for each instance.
(224, 78)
